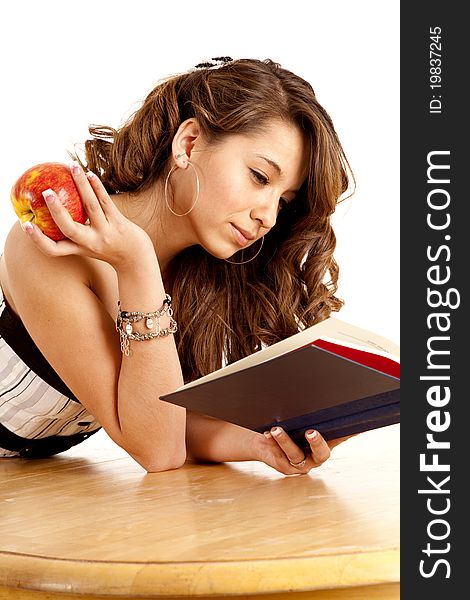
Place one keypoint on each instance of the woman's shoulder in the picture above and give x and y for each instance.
(22, 262)
(23, 267)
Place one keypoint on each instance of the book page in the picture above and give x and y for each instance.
(332, 328)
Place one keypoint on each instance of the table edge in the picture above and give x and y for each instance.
(22, 571)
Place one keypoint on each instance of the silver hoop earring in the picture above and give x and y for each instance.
(166, 190)
(250, 259)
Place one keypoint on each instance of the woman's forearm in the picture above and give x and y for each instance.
(153, 431)
(208, 439)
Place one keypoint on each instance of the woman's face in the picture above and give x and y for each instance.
(244, 181)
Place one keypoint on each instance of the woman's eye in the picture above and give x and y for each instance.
(262, 179)
(259, 177)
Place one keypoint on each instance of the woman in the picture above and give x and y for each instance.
(212, 201)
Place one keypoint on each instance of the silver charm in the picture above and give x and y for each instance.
(128, 328)
(149, 323)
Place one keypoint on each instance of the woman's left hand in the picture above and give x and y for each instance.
(279, 451)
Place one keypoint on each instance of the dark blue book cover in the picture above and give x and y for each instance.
(332, 387)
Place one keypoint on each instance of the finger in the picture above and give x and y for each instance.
(61, 215)
(107, 205)
(292, 451)
(89, 198)
(318, 445)
(271, 441)
(45, 244)
(278, 459)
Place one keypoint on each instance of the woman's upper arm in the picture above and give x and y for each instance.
(69, 324)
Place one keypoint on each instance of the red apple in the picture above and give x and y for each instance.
(29, 204)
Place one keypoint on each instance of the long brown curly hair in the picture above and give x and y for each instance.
(226, 311)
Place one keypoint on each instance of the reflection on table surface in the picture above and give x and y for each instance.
(91, 521)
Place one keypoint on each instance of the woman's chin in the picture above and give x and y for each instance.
(222, 252)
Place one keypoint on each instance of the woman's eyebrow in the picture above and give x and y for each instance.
(272, 163)
(276, 167)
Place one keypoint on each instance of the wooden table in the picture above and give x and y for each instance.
(92, 524)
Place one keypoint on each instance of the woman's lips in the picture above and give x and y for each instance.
(242, 237)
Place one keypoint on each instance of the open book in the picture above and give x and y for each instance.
(334, 377)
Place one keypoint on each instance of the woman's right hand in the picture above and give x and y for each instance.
(108, 235)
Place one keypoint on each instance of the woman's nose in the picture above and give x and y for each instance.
(266, 212)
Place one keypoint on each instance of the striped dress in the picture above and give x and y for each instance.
(39, 415)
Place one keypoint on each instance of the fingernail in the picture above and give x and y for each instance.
(311, 435)
(75, 167)
(48, 196)
(27, 227)
(90, 175)
(276, 430)
(267, 434)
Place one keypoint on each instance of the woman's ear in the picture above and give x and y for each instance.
(184, 141)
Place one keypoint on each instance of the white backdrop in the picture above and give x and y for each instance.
(68, 64)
